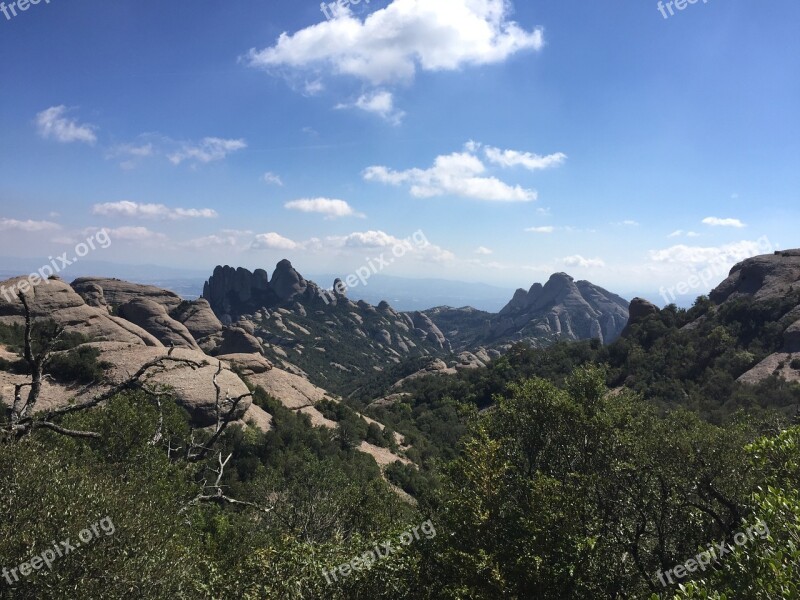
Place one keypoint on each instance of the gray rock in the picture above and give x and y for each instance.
(153, 318)
(198, 318)
(56, 300)
(238, 341)
(117, 292)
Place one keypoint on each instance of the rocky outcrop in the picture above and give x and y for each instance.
(56, 300)
(286, 282)
(116, 292)
(234, 292)
(761, 277)
(791, 338)
(247, 364)
(237, 341)
(198, 318)
(560, 309)
(193, 388)
(153, 318)
(432, 333)
(638, 311)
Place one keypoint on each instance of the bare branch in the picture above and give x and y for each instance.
(63, 431)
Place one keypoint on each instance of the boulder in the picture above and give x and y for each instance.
(198, 318)
(153, 318)
(54, 299)
(117, 292)
(791, 338)
(247, 364)
(770, 276)
(286, 282)
(238, 341)
(193, 388)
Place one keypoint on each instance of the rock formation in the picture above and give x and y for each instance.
(153, 318)
(56, 300)
(115, 292)
(560, 309)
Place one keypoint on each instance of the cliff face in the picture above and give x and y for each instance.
(561, 308)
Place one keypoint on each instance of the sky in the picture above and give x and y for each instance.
(473, 140)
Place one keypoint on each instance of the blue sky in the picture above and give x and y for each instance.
(520, 138)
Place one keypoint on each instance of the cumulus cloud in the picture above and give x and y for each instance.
(528, 160)
(392, 43)
(208, 150)
(126, 208)
(483, 250)
(357, 243)
(52, 123)
(273, 241)
(542, 229)
(460, 174)
(717, 222)
(579, 261)
(379, 102)
(27, 226)
(682, 254)
(330, 207)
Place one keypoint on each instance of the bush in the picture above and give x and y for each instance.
(80, 365)
(795, 364)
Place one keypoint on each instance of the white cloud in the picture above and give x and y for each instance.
(53, 123)
(228, 238)
(483, 250)
(699, 255)
(208, 150)
(140, 151)
(273, 241)
(627, 223)
(132, 234)
(717, 222)
(579, 261)
(681, 232)
(126, 208)
(393, 42)
(532, 162)
(542, 229)
(378, 102)
(459, 174)
(330, 207)
(415, 246)
(28, 226)
(273, 179)
(312, 88)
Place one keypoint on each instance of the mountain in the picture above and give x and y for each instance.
(336, 341)
(561, 309)
(320, 334)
